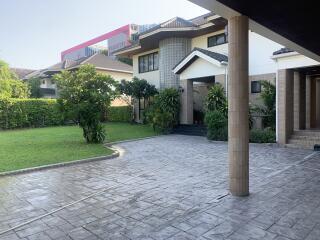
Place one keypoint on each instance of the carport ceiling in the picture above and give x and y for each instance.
(297, 21)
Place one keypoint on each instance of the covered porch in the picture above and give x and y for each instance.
(279, 22)
(299, 106)
(199, 71)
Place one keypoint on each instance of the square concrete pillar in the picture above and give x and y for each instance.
(186, 110)
(308, 102)
(238, 110)
(285, 105)
(313, 105)
(299, 101)
(318, 103)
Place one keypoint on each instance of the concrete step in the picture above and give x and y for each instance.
(291, 145)
(308, 144)
(304, 137)
(192, 130)
(315, 133)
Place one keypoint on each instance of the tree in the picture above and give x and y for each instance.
(87, 94)
(137, 89)
(10, 86)
(125, 60)
(34, 86)
(5, 72)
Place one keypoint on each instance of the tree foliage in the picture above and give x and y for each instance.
(86, 94)
(5, 72)
(163, 114)
(10, 85)
(34, 86)
(216, 99)
(268, 109)
(137, 89)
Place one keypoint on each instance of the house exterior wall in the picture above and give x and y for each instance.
(201, 68)
(172, 50)
(260, 51)
(152, 77)
(118, 76)
(254, 98)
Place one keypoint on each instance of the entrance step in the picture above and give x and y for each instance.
(191, 130)
(306, 139)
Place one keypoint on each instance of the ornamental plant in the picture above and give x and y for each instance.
(87, 93)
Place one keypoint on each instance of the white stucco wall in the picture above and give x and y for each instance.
(152, 77)
(118, 76)
(260, 51)
(201, 68)
(202, 42)
(293, 60)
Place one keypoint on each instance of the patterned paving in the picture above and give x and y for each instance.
(170, 187)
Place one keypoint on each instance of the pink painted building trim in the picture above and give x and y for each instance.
(124, 29)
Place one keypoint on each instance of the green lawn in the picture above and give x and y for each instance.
(35, 147)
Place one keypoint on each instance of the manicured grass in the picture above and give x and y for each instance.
(36, 147)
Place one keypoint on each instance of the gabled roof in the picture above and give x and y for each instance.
(282, 51)
(99, 60)
(22, 72)
(175, 27)
(213, 57)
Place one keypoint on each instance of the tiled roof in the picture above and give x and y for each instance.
(201, 19)
(22, 72)
(216, 56)
(103, 61)
(282, 51)
(99, 60)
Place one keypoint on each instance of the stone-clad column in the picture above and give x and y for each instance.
(318, 103)
(308, 102)
(285, 105)
(238, 98)
(186, 112)
(299, 98)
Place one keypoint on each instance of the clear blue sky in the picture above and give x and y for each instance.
(34, 32)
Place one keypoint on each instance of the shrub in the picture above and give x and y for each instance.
(262, 136)
(164, 111)
(217, 124)
(216, 99)
(24, 113)
(119, 114)
(268, 109)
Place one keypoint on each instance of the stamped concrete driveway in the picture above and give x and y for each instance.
(169, 187)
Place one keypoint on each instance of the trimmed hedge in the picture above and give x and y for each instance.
(119, 114)
(33, 113)
(24, 113)
(262, 136)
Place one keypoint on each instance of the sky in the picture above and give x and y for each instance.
(34, 32)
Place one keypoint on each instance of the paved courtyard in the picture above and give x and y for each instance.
(169, 187)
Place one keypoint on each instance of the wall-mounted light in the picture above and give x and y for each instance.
(181, 90)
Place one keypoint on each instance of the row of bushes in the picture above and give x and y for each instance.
(216, 119)
(26, 113)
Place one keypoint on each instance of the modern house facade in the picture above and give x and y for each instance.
(103, 64)
(192, 55)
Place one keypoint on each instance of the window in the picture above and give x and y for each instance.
(255, 87)
(149, 62)
(217, 40)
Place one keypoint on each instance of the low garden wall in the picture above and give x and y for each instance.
(33, 113)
